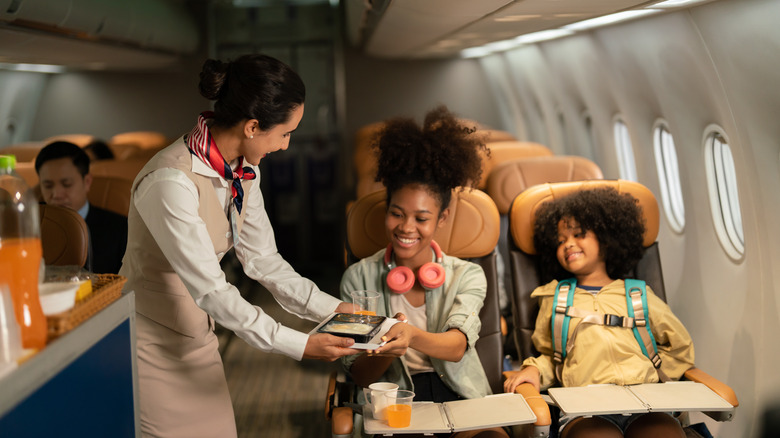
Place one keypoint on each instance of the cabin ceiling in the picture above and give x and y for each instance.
(153, 34)
(442, 28)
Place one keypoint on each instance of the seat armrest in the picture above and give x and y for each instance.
(718, 387)
(342, 422)
(535, 402)
(330, 395)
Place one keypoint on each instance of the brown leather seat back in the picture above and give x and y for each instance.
(127, 169)
(471, 232)
(525, 277)
(503, 151)
(509, 178)
(26, 169)
(64, 236)
(111, 193)
(23, 152)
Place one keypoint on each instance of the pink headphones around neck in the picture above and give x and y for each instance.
(400, 279)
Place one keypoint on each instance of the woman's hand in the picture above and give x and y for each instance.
(397, 339)
(326, 347)
(529, 374)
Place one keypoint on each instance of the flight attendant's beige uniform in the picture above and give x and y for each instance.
(173, 267)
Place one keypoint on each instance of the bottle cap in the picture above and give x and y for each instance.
(8, 161)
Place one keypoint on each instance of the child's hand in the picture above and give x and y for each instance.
(529, 374)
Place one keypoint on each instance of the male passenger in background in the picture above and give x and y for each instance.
(63, 171)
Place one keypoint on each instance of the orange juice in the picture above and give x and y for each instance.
(399, 415)
(20, 260)
(366, 312)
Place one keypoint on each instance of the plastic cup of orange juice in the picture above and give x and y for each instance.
(399, 408)
(365, 302)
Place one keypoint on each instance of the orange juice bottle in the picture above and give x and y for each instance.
(21, 252)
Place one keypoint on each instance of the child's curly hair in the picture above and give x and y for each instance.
(616, 220)
(440, 156)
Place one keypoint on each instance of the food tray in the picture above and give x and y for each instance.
(105, 289)
(361, 328)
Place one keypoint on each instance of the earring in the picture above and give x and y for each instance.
(251, 136)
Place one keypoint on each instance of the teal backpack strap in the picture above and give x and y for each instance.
(563, 299)
(636, 300)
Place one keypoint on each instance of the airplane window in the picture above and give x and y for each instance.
(724, 199)
(669, 178)
(590, 141)
(625, 151)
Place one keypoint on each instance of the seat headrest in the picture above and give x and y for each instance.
(79, 140)
(471, 230)
(508, 179)
(64, 236)
(523, 211)
(503, 151)
(142, 139)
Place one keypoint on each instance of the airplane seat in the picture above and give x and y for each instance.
(79, 140)
(26, 169)
(64, 236)
(364, 160)
(471, 232)
(125, 151)
(526, 278)
(495, 135)
(510, 178)
(127, 169)
(111, 193)
(24, 152)
(141, 139)
(503, 151)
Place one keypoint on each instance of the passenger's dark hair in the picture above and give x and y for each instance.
(616, 219)
(251, 87)
(63, 149)
(440, 156)
(100, 150)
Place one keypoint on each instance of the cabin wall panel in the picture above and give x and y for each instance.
(20, 93)
(713, 64)
(748, 59)
(530, 94)
(104, 104)
(378, 89)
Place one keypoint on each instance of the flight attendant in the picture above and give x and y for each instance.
(191, 203)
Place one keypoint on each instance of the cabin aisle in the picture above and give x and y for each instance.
(273, 395)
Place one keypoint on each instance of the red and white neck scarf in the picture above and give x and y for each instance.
(202, 145)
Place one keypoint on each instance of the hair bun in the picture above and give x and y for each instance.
(212, 78)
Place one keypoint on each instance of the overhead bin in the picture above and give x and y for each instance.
(150, 24)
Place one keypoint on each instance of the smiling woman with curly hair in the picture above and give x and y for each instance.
(439, 296)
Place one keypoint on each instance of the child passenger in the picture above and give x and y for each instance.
(433, 353)
(596, 237)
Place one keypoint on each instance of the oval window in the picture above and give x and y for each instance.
(624, 150)
(669, 178)
(724, 197)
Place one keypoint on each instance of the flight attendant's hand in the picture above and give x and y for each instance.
(326, 347)
(344, 307)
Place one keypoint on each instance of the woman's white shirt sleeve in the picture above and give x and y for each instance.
(167, 201)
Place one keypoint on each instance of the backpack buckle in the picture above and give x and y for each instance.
(613, 320)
